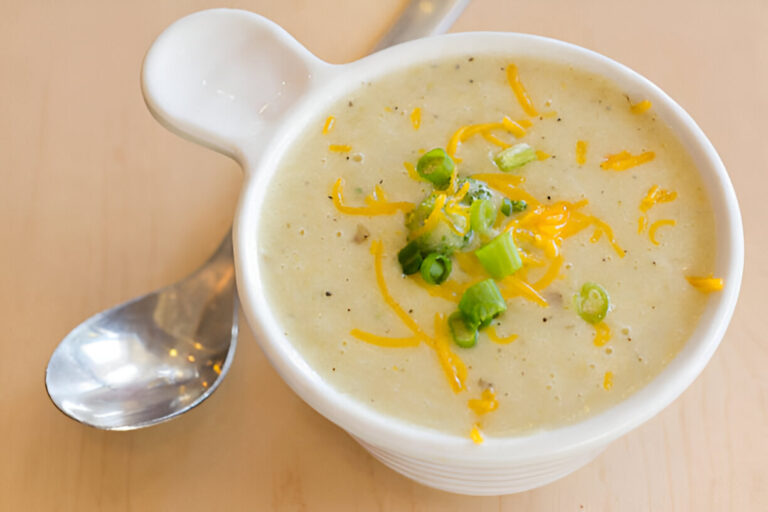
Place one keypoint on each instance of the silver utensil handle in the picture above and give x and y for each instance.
(422, 18)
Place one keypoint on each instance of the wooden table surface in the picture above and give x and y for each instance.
(99, 203)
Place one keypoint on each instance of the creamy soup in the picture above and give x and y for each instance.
(611, 199)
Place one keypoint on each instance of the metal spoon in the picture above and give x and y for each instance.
(155, 357)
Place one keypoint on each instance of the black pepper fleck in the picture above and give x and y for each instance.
(559, 119)
(328, 294)
(350, 104)
(471, 81)
(471, 59)
(329, 197)
(544, 319)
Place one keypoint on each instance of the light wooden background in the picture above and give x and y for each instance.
(98, 203)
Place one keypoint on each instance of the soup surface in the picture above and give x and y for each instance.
(611, 198)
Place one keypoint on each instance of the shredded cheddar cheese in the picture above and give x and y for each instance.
(485, 404)
(452, 365)
(328, 126)
(655, 196)
(581, 152)
(377, 203)
(495, 140)
(414, 175)
(641, 107)
(498, 339)
(602, 334)
(655, 226)
(475, 434)
(512, 127)
(514, 286)
(608, 381)
(706, 284)
(541, 155)
(520, 93)
(625, 160)
(642, 222)
(340, 148)
(416, 118)
(385, 341)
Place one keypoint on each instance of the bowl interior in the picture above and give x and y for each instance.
(384, 431)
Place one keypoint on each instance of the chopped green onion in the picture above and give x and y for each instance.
(506, 206)
(500, 257)
(482, 215)
(464, 335)
(514, 157)
(437, 167)
(410, 258)
(592, 302)
(481, 303)
(519, 206)
(436, 268)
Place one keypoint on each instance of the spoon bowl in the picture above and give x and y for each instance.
(152, 358)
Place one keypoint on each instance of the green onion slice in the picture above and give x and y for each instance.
(592, 302)
(482, 215)
(410, 258)
(506, 206)
(514, 157)
(436, 268)
(500, 257)
(464, 335)
(436, 167)
(481, 303)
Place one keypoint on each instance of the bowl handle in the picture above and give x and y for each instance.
(225, 78)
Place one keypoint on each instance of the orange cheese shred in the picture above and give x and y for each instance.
(602, 334)
(377, 203)
(485, 404)
(642, 222)
(706, 284)
(475, 434)
(639, 108)
(491, 331)
(452, 365)
(655, 226)
(655, 196)
(625, 160)
(541, 155)
(385, 341)
(328, 126)
(520, 93)
(416, 118)
(412, 172)
(340, 148)
(513, 127)
(608, 381)
(581, 152)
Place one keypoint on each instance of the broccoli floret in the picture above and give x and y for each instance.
(442, 238)
(477, 190)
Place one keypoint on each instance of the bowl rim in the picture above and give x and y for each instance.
(420, 442)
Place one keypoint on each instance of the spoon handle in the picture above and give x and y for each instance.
(422, 18)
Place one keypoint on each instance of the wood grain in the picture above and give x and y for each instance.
(99, 203)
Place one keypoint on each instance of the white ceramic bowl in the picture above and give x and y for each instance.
(240, 84)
